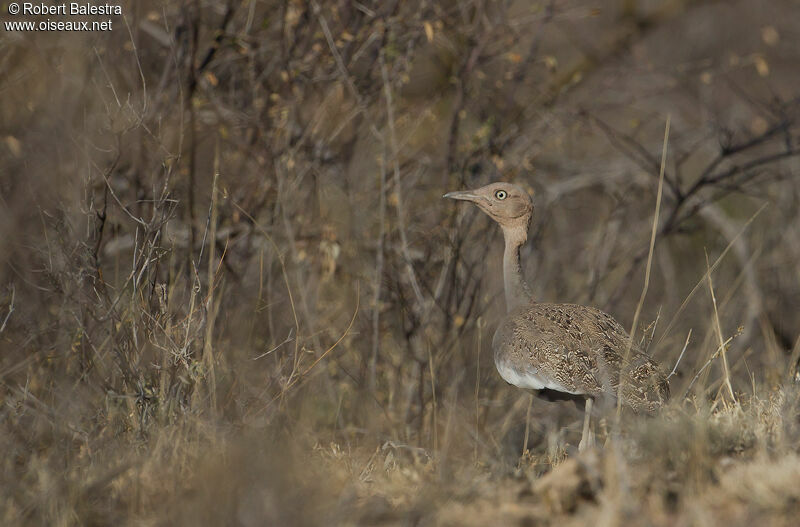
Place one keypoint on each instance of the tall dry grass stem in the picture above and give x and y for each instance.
(649, 265)
(718, 327)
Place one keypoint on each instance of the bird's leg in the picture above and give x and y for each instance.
(527, 425)
(587, 438)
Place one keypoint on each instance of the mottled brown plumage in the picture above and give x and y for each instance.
(563, 348)
(579, 350)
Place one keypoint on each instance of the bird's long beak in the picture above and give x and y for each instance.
(464, 195)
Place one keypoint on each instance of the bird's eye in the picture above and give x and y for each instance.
(500, 194)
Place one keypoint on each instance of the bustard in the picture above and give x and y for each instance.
(560, 350)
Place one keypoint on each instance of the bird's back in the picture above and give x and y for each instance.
(576, 350)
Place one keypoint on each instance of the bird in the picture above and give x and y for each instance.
(560, 351)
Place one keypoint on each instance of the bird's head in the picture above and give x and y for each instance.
(509, 205)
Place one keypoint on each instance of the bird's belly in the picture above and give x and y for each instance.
(528, 379)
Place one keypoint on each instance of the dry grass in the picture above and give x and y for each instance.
(230, 292)
(689, 466)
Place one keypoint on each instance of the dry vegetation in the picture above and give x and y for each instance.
(231, 294)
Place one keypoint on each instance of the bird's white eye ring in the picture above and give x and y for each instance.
(500, 194)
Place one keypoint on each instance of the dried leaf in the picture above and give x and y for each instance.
(14, 145)
(428, 30)
(770, 35)
(761, 66)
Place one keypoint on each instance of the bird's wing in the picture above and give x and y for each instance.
(579, 348)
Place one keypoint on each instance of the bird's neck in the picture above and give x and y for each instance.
(517, 291)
